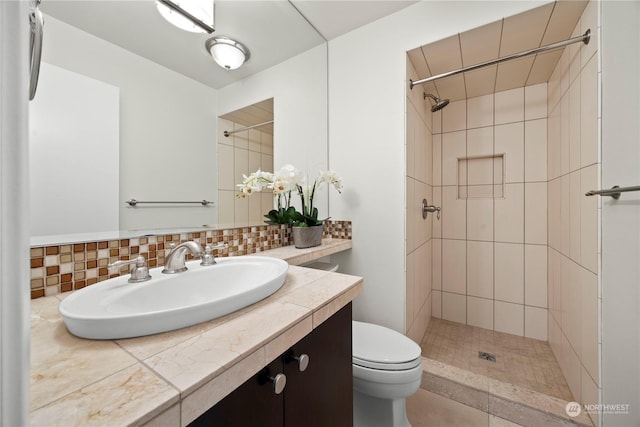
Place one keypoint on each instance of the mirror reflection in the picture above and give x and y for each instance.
(167, 128)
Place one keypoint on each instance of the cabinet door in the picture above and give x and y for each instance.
(322, 394)
(254, 403)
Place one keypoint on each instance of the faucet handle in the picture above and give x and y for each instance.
(208, 258)
(139, 271)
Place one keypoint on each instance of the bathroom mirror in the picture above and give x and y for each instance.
(170, 93)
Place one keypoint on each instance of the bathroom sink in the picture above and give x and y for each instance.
(116, 309)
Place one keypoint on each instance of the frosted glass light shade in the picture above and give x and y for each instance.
(227, 53)
(201, 9)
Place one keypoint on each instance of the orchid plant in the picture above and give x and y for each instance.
(289, 179)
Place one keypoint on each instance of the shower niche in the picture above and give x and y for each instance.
(481, 177)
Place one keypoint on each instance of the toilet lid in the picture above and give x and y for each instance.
(377, 347)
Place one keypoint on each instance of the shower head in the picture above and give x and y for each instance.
(439, 103)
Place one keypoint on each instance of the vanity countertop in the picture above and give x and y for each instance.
(169, 379)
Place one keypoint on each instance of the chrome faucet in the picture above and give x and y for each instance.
(175, 262)
(139, 271)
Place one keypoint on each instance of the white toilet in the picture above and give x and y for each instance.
(387, 368)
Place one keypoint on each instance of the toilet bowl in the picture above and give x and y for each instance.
(387, 368)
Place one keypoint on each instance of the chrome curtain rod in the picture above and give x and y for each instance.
(134, 202)
(196, 21)
(613, 191)
(231, 132)
(583, 38)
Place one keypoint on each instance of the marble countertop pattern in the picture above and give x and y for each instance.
(170, 379)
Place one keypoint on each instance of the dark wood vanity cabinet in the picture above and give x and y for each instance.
(319, 396)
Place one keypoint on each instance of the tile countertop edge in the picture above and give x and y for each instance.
(164, 412)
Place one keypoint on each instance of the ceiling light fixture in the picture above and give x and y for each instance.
(195, 16)
(227, 53)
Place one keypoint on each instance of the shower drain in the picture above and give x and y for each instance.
(487, 356)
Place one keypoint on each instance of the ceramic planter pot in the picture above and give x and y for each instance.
(307, 237)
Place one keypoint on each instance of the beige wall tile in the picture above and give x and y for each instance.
(480, 218)
(565, 214)
(454, 214)
(589, 113)
(535, 101)
(480, 111)
(454, 266)
(436, 304)
(509, 106)
(553, 144)
(574, 125)
(509, 272)
(589, 21)
(454, 117)
(535, 150)
(454, 307)
(240, 164)
(412, 207)
(480, 141)
(565, 152)
(480, 269)
(454, 146)
(535, 213)
(436, 267)
(509, 139)
(589, 322)
(436, 120)
(535, 323)
(266, 162)
(509, 215)
(255, 162)
(437, 160)
(226, 204)
(436, 226)
(509, 318)
(535, 275)
(254, 140)
(480, 312)
(241, 211)
(574, 215)
(589, 219)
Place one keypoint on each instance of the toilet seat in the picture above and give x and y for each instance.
(377, 347)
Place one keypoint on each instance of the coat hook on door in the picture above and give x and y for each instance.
(426, 208)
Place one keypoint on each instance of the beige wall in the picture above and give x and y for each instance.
(418, 235)
(489, 249)
(573, 169)
(240, 154)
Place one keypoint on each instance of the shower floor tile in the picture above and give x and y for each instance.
(525, 362)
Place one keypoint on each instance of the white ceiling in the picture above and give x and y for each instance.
(273, 30)
(541, 26)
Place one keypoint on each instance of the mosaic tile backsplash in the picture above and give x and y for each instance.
(67, 267)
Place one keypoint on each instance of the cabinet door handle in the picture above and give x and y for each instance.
(279, 381)
(303, 361)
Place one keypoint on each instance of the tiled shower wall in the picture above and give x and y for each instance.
(573, 169)
(490, 178)
(72, 266)
(242, 153)
(418, 230)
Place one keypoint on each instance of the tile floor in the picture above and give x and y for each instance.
(426, 409)
(524, 362)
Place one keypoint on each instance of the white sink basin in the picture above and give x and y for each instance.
(117, 309)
